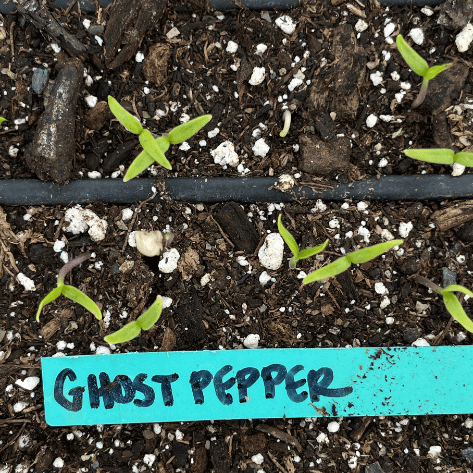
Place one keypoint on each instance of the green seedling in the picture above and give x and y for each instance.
(441, 156)
(2, 120)
(144, 322)
(70, 291)
(419, 66)
(286, 116)
(357, 257)
(452, 304)
(153, 148)
(291, 243)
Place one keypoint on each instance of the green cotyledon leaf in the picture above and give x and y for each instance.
(144, 160)
(456, 310)
(183, 132)
(151, 316)
(367, 254)
(85, 301)
(437, 156)
(414, 60)
(131, 123)
(153, 149)
(125, 334)
(53, 295)
(288, 238)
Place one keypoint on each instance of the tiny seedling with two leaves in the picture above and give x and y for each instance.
(70, 291)
(291, 243)
(153, 149)
(441, 156)
(419, 66)
(339, 265)
(129, 331)
(450, 300)
(144, 322)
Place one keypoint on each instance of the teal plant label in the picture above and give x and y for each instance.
(264, 383)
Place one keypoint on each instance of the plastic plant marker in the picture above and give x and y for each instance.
(52, 296)
(131, 123)
(254, 384)
(153, 149)
(85, 301)
(183, 132)
(144, 160)
(144, 322)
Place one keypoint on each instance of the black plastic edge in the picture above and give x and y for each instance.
(249, 190)
(87, 5)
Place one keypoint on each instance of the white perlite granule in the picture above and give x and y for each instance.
(257, 77)
(251, 341)
(464, 38)
(260, 148)
(225, 154)
(286, 23)
(169, 261)
(271, 252)
(333, 427)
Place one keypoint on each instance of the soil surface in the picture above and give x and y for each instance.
(216, 297)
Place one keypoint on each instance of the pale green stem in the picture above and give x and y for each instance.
(422, 94)
(287, 123)
(72, 264)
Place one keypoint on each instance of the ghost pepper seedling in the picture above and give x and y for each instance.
(419, 66)
(70, 291)
(153, 149)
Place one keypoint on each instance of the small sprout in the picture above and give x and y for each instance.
(286, 116)
(70, 291)
(291, 243)
(357, 257)
(144, 322)
(419, 66)
(452, 304)
(2, 120)
(152, 243)
(153, 148)
(441, 156)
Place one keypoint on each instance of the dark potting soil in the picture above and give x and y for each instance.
(338, 70)
(217, 299)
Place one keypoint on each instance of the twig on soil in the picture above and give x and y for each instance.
(278, 465)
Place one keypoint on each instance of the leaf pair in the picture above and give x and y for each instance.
(357, 257)
(72, 293)
(419, 66)
(454, 306)
(154, 149)
(144, 322)
(291, 243)
(441, 156)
